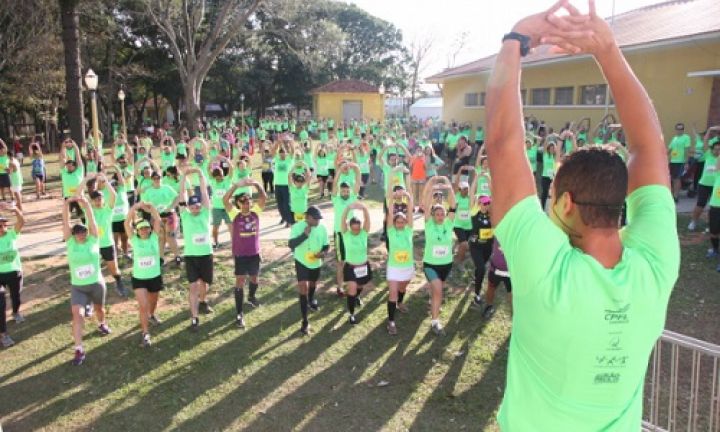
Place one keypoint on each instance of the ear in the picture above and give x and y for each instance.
(567, 206)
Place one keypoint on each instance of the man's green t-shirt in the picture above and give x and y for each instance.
(84, 261)
(71, 180)
(438, 242)
(709, 169)
(299, 198)
(582, 334)
(146, 257)
(9, 253)
(356, 247)
(196, 232)
(339, 205)
(219, 189)
(532, 157)
(400, 252)
(103, 219)
(161, 197)
(678, 146)
(548, 165)
(282, 166)
(462, 214)
(316, 241)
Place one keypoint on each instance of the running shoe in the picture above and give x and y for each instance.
(437, 328)
(145, 342)
(692, 225)
(402, 307)
(178, 261)
(216, 245)
(104, 329)
(489, 312)
(19, 319)
(477, 301)
(154, 320)
(7, 341)
(194, 324)
(205, 308)
(128, 256)
(352, 320)
(79, 357)
(254, 302)
(391, 328)
(88, 311)
(304, 329)
(711, 253)
(314, 305)
(240, 322)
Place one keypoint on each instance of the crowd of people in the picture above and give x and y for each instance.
(476, 198)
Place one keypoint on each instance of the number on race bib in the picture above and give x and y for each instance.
(463, 214)
(85, 272)
(119, 211)
(146, 262)
(310, 257)
(485, 233)
(361, 271)
(402, 256)
(200, 239)
(72, 190)
(440, 251)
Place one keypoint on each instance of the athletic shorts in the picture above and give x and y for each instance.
(331, 172)
(10, 280)
(339, 247)
(400, 274)
(131, 198)
(433, 272)
(16, 188)
(5, 180)
(219, 216)
(305, 274)
(170, 220)
(247, 265)
(714, 220)
(676, 170)
(496, 276)
(118, 227)
(152, 285)
(199, 268)
(40, 177)
(703, 195)
(108, 253)
(81, 295)
(360, 274)
(462, 235)
(323, 177)
(365, 177)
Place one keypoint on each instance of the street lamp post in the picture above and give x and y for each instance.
(242, 115)
(121, 97)
(91, 81)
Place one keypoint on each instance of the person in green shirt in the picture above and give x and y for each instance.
(16, 179)
(400, 258)
(299, 188)
(309, 244)
(87, 283)
(11, 275)
(549, 154)
(169, 152)
(678, 154)
(344, 195)
(362, 158)
(709, 155)
(357, 271)
(462, 224)
(282, 164)
(195, 220)
(147, 281)
(5, 161)
(219, 184)
(437, 255)
(596, 293)
(714, 215)
(165, 199)
(323, 169)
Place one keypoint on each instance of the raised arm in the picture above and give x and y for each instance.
(343, 219)
(19, 219)
(66, 217)
(262, 195)
(89, 217)
(111, 190)
(204, 190)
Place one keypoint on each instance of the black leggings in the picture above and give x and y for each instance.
(12, 281)
(268, 178)
(282, 195)
(364, 178)
(480, 253)
(545, 182)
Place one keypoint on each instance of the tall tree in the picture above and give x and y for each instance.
(419, 50)
(73, 89)
(197, 32)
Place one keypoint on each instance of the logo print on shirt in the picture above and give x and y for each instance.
(618, 316)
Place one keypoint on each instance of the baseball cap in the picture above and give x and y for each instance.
(194, 200)
(95, 194)
(314, 212)
(464, 185)
(143, 224)
(155, 174)
(485, 200)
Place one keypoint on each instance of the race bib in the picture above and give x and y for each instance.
(266, 167)
(463, 214)
(200, 239)
(361, 271)
(485, 233)
(674, 154)
(402, 256)
(101, 231)
(119, 211)
(299, 217)
(72, 189)
(220, 192)
(310, 257)
(440, 251)
(161, 208)
(8, 257)
(85, 272)
(146, 262)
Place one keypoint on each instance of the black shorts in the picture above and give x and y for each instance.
(676, 170)
(323, 177)
(714, 220)
(199, 268)
(339, 247)
(703, 195)
(5, 180)
(118, 227)
(494, 280)
(131, 198)
(151, 285)
(364, 178)
(74, 207)
(40, 177)
(462, 235)
(247, 265)
(305, 274)
(108, 253)
(433, 271)
(331, 172)
(351, 275)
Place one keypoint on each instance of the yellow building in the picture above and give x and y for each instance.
(348, 100)
(673, 47)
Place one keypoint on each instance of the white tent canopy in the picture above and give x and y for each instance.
(426, 108)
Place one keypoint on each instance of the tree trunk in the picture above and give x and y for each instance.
(192, 104)
(157, 108)
(71, 43)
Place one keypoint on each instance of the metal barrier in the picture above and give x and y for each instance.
(675, 400)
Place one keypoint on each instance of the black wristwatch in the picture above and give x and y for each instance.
(523, 39)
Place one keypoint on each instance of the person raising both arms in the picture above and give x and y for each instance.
(357, 271)
(245, 242)
(11, 275)
(710, 154)
(578, 280)
(401, 257)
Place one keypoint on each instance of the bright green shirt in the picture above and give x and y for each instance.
(452, 141)
(9, 253)
(678, 146)
(161, 197)
(438, 242)
(483, 187)
(400, 253)
(363, 161)
(84, 261)
(219, 189)
(91, 166)
(709, 169)
(356, 247)
(103, 219)
(282, 166)
(299, 198)
(587, 370)
(397, 179)
(5, 161)
(347, 177)
(146, 257)
(331, 159)
(322, 166)
(532, 157)
(715, 196)
(548, 165)
(316, 241)
(167, 160)
(122, 206)
(462, 214)
(339, 205)
(71, 180)
(196, 232)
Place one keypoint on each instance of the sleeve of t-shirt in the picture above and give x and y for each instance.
(232, 213)
(532, 243)
(652, 230)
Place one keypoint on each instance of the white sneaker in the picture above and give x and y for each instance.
(692, 225)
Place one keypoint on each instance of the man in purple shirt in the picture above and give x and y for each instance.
(245, 241)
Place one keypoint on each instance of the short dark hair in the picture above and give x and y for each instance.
(597, 180)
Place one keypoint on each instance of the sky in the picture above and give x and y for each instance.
(483, 21)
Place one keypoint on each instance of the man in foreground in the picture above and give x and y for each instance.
(589, 299)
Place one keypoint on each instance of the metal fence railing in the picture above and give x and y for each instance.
(682, 385)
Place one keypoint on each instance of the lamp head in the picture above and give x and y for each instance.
(91, 80)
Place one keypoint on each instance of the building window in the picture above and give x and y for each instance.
(593, 94)
(472, 99)
(481, 98)
(523, 96)
(564, 95)
(540, 96)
